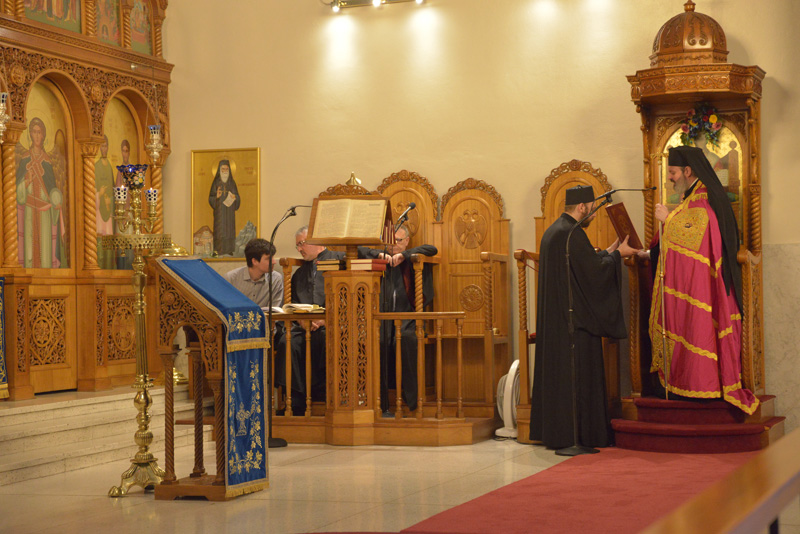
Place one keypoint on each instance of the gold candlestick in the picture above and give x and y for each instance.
(144, 470)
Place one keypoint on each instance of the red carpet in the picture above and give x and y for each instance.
(615, 491)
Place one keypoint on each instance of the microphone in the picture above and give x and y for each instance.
(404, 215)
(608, 194)
(292, 209)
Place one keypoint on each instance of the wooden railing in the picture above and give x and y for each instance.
(748, 500)
(420, 317)
(524, 339)
(304, 319)
(437, 318)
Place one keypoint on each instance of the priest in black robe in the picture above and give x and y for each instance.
(224, 199)
(597, 303)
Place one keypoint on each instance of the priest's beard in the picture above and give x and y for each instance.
(224, 176)
(681, 185)
(586, 223)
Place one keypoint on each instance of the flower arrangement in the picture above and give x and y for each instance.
(701, 120)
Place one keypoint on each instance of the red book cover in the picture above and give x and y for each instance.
(621, 222)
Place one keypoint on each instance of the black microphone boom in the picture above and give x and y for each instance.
(404, 216)
(608, 194)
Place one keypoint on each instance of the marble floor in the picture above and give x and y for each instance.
(313, 488)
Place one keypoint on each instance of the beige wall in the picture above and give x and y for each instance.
(500, 90)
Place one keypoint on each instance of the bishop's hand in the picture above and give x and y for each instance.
(661, 212)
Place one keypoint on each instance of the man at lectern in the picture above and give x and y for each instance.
(252, 278)
(397, 295)
(699, 327)
(594, 282)
(308, 287)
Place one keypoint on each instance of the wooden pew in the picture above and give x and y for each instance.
(748, 500)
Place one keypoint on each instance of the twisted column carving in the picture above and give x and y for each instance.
(168, 359)
(522, 288)
(90, 16)
(487, 289)
(19, 8)
(126, 25)
(156, 181)
(2, 245)
(648, 159)
(199, 373)
(10, 241)
(158, 47)
(89, 151)
(219, 429)
(419, 301)
(755, 218)
(9, 7)
(755, 178)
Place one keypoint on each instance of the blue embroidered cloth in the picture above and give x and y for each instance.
(246, 341)
(3, 373)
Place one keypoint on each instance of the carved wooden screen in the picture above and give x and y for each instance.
(85, 75)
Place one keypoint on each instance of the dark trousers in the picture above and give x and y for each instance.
(408, 350)
(298, 349)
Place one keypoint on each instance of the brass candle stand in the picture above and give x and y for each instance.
(144, 470)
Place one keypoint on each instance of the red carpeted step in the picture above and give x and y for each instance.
(679, 412)
(705, 439)
(655, 410)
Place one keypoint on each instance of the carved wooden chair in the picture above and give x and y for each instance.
(474, 273)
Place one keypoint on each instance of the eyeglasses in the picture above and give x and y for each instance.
(300, 244)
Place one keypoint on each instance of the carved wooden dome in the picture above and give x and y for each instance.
(688, 39)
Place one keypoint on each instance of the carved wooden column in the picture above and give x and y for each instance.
(352, 354)
(158, 47)
(19, 8)
(127, 7)
(157, 182)
(90, 16)
(2, 244)
(89, 152)
(10, 241)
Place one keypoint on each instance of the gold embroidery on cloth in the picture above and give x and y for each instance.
(691, 300)
(687, 228)
(249, 423)
(238, 323)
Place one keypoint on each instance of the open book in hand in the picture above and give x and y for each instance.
(297, 308)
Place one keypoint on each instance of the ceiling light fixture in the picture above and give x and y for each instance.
(337, 5)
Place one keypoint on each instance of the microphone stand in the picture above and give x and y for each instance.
(275, 443)
(386, 324)
(576, 449)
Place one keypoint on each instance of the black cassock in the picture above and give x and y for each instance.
(224, 216)
(597, 308)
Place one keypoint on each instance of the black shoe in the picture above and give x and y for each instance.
(387, 414)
